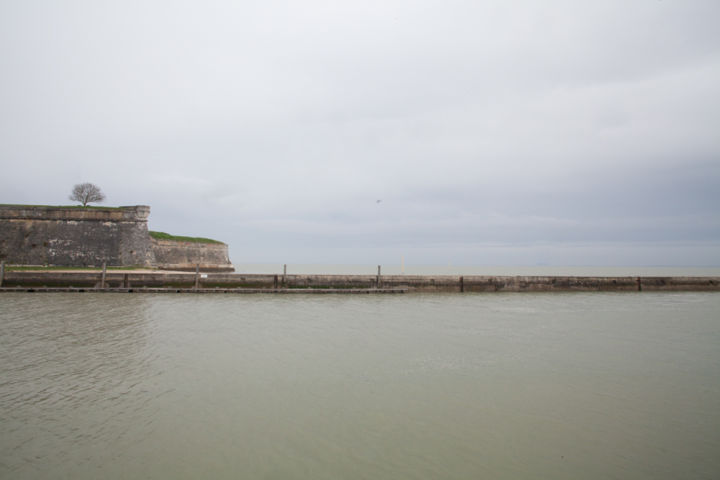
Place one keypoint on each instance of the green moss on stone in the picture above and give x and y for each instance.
(41, 268)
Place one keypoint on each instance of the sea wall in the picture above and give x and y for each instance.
(65, 236)
(410, 283)
(177, 255)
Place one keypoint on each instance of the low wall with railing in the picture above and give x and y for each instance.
(411, 283)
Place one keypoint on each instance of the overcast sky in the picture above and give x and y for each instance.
(465, 132)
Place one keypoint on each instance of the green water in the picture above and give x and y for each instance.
(557, 386)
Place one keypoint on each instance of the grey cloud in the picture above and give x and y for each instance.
(275, 126)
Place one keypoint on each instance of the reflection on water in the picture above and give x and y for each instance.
(416, 386)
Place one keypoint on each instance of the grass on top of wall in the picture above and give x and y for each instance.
(178, 238)
(50, 268)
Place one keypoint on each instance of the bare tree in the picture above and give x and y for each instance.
(86, 193)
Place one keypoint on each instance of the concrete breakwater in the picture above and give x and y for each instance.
(411, 283)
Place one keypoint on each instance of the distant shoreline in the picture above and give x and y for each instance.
(486, 270)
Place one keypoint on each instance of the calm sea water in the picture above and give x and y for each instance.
(557, 386)
(540, 270)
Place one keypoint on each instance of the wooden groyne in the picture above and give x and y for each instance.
(178, 282)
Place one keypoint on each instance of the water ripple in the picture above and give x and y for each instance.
(415, 386)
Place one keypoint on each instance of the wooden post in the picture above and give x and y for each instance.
(104, 271)
(275, 282)
(377, 282)
(284, 273)
(197, 275)
(462, 284)
(2, 272)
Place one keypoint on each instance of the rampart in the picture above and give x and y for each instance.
(67, 236)
(178, 255)
(81, 237)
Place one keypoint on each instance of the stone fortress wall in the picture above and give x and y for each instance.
(177, 255)
(67, 236)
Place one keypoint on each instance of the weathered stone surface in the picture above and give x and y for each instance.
(175, 255)
(413, 283)
(75, 237)
(63, 236)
